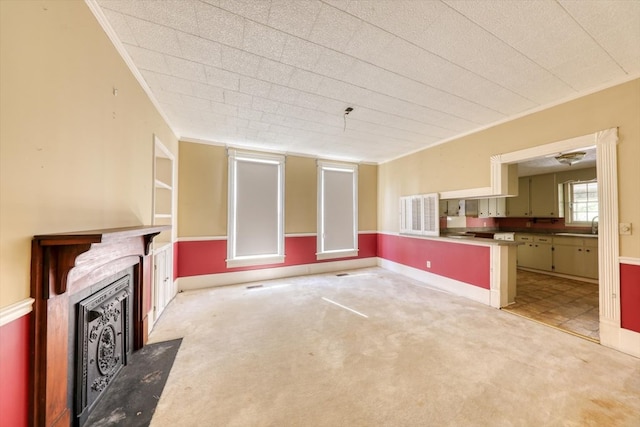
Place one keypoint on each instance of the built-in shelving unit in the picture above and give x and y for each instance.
(164, 175)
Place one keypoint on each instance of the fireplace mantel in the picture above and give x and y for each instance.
(62, 265)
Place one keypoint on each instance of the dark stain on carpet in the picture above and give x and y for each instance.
(132, 397)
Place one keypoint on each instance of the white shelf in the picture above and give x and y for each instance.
(163, 185)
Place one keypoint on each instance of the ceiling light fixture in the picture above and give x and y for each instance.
(570, 158)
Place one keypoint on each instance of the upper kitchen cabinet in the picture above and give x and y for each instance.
(492, 208)
(519, 206)
(543, 196)
(538, 197)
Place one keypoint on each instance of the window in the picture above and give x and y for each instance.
(419, 215)
(337, 210)
(582, 202)
(256, 209)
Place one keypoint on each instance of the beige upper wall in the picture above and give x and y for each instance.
(72, 155)
(203, 181)
(464, 162)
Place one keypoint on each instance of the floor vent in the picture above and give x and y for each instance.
(254, 286)
(342, 274)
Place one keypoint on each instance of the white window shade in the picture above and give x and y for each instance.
(337, 210)
(256, 214)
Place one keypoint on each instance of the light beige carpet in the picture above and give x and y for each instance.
(286, 354)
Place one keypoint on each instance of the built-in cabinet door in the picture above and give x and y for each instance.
(163, 286)
(543, 195)
(519, 206)
(483, 208)
(497, 207)
(590, 258)
(567, 259)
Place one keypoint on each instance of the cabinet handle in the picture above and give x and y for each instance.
(579, 250)
(588, 250)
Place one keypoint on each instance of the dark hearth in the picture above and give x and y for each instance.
(103, 342)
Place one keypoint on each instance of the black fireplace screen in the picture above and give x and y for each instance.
(103, 335)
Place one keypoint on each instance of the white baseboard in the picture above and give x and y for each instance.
(452, 286)
(223, 279)
(620, 339)
(14, 311)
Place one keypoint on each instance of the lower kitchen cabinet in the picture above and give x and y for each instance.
(576, 256)
(535, 252)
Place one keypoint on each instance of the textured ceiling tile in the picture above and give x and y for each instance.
(222, 78)
(239, 61)
(255, 87)
(119, 24)
(334, 28)
(195, 103)
(274, 72)
(212, 93)
(197, 49)
(295, 18)
(238, 99)
(263, 41)
(368, 42)
(283, 94)
(179, 14)
(304, 80)
(219, 25)
(264, 105)
(224, 109)
(258, 125)
(344, 92)
(614, 24)
(148, 59)
(186, 69)
(154, 37)
(309, 100)
(252, 9)
(301, 53)
(334, 64)
(249, 113)
(405, 18)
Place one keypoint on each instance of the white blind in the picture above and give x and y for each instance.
(256, 208)
(338, 209)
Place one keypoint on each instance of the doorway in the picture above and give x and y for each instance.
(608, 241)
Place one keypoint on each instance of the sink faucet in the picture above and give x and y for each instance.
(594, 225)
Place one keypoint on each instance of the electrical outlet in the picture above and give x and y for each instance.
(428, 264)
(625, 228)
(528, 223)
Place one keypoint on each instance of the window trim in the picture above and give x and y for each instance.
(322, 254)
(234, 260)
(569, 222)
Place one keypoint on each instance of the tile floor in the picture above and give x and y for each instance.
(566, 304)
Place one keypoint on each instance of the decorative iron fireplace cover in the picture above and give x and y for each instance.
(103, 342)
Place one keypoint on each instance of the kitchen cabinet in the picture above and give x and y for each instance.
(519, 206)
(492, 208)
(538, 197)
(543, 196)
(576, 256)
(536, 252)
(457, 207)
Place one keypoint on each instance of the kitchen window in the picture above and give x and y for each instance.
(256, 209)
(582, 202)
